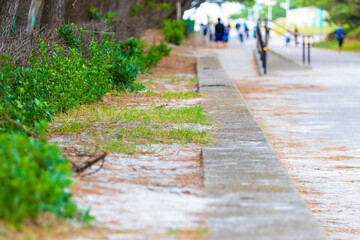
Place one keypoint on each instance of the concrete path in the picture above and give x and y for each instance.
(254, 196)
(312, 119)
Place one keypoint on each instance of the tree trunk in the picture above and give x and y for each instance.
(22, 16)
(53, 10)
(8, 10)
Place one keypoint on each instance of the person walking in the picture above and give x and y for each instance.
(226, 36)
(246, 30)
(219, 33)
(241, 32)
(296, 36)
(340, 35)
(267, 34)
(287, 35)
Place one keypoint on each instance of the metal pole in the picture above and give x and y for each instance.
(303, 50)
(264, 60)
(309, 46)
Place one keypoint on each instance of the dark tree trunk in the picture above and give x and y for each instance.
(8, 10)
(52, 11)
(39, 15)
(22, 16)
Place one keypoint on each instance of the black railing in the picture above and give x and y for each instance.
(308, 41)
(261, 46)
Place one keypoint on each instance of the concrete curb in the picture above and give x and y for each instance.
(278, 62)
(253, 195)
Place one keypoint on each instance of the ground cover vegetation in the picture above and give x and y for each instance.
(351, 42)
(63, 71)
(175, 31)
(57, 77)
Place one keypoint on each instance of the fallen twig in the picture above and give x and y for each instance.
(80, 169)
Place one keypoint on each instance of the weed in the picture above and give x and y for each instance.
(127, 139)
(180, 95)
(89, 113)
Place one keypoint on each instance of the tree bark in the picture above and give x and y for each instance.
(22, 16)
(8, 10)
(52, 11)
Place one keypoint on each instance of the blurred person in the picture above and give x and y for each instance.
(340, 35)
(287, 35)
(241, 32)
(219, 33)
(255, 32)
(226, 36)
(205, 31)
(267, 34)
(246, 30)
(296, 36)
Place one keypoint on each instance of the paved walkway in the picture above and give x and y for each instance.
(312, 119)
(254, 197)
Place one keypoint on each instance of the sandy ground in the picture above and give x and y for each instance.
(157, 195)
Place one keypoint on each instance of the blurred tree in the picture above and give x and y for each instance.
(346, 11)
(52, 11)
(22, 16)
(8, 10)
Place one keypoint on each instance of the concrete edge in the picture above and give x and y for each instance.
(320, 231)
(289, 60)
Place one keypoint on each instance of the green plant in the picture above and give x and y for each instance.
(95, 14)
(71, 39)
(164, 6)
(156, 53)
(136, 9)
(173, 31)
(34, 178)
(56, 81)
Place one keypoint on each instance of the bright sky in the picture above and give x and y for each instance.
(213, 10)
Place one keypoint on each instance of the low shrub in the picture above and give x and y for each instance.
(59, 79)
(34, 178)
(95, 15)
(56, 81)
(173, 31)
(156, 53)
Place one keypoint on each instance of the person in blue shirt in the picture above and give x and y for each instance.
(226, 36)
(340, 35)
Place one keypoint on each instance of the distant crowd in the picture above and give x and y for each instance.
(219, 33)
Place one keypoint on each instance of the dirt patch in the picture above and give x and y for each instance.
(338, 149)
(341, 158)
(266, 87)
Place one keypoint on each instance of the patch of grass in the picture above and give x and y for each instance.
(168, 77)
(152, 82)
(193, 80)
(47, 227)
(349, 45)
(304, 30)
(127, 139)
(72, 126)
(188, 233)
(103, 113)
(180, 95)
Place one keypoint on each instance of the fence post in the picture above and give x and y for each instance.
(264, 60)
(309, 46)
(303, 45)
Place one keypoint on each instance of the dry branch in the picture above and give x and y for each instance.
(88, 164)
